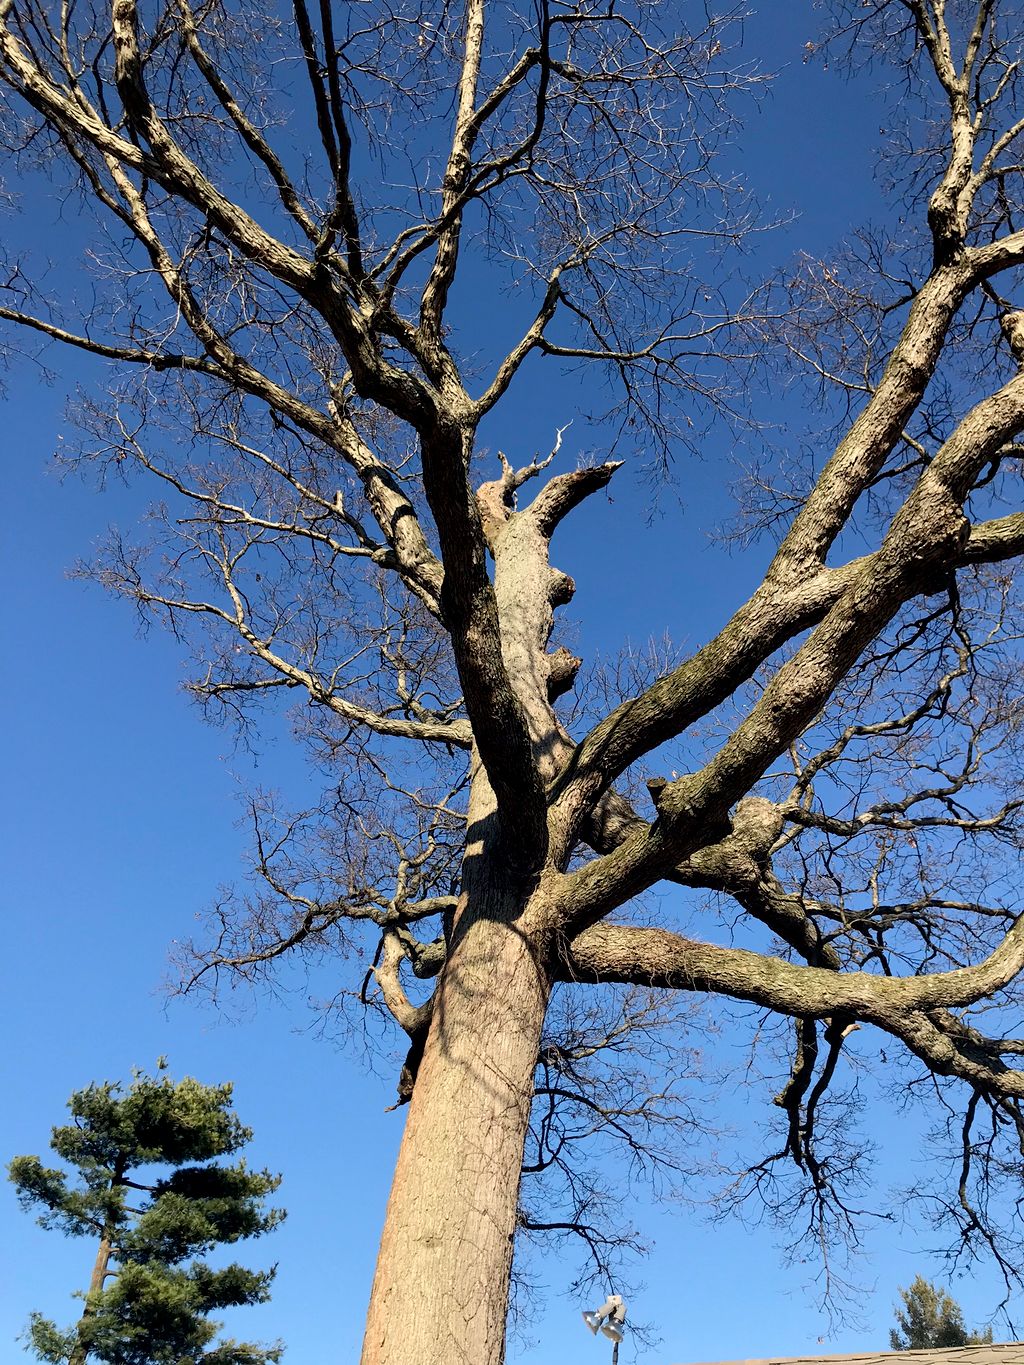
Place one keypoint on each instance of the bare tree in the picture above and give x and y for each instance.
(283, 303)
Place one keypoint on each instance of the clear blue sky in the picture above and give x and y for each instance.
(120, 822)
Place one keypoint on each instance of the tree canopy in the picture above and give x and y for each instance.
(325, 253)
(147, 1188)
(931, 1317)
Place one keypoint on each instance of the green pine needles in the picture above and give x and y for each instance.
(148, 1188)
(930, 1317)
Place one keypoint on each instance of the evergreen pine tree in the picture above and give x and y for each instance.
(148, 1187)
(931, 1317)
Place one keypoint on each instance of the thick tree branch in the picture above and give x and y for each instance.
(658, 957)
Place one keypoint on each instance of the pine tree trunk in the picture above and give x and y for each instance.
(99, 1275)
(441, 1288)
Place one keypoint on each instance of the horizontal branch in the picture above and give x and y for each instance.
(133, 355)
(455, 733)
(633, 955)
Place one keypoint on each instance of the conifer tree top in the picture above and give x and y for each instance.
(151, 1293)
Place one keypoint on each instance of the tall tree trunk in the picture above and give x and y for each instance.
(441, 1287)
(100, 1271)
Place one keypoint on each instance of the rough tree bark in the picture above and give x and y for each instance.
(451, 1222)
(446, 1254)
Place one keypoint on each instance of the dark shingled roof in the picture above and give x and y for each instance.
(1008, 1353)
